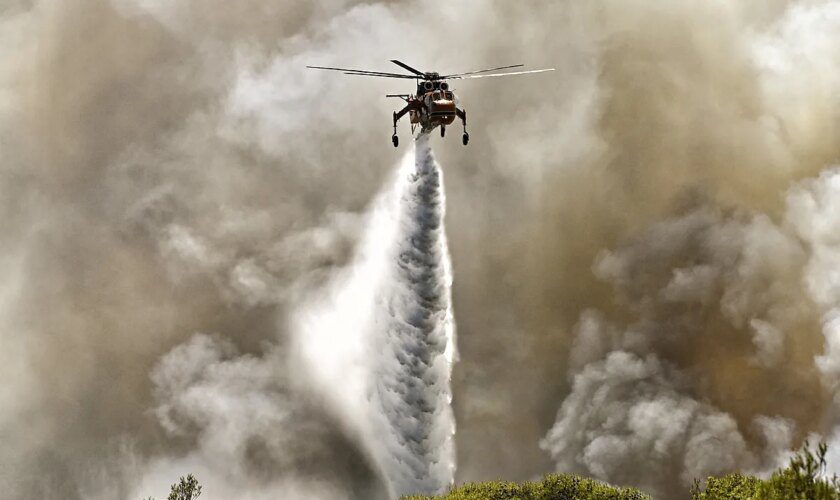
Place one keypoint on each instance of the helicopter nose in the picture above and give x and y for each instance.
(444, 104)
(443, 110)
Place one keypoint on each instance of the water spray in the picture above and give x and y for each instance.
(382, 342)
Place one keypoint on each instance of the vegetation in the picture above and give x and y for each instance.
(187, 488)
(803, 479)
(552, 487)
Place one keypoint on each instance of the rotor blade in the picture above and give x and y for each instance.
(382, 75)
(502, 74)
(363, 72)
(409, 68)
(483, 71)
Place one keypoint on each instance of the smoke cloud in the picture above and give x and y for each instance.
(710, 306)
(642, 242)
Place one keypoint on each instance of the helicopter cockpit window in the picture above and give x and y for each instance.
(447, 95)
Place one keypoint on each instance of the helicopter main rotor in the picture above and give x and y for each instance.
(431, 75)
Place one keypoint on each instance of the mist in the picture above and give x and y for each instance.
(653, 222)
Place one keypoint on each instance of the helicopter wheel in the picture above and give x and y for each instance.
(465, 139)
(395, 140)
(443, 131)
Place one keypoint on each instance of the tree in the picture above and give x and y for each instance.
(805, 478)
(187, 488)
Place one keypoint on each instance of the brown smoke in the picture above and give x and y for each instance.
(170, 168)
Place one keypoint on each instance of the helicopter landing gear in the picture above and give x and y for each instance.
(465, 139)
(394, 139)
(443, 130)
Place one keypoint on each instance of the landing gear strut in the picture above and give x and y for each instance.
(443, 130)
(465, 139)
(394, 139)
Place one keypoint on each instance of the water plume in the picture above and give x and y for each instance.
(383, 343)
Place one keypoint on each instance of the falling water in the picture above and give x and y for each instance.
(381, 339)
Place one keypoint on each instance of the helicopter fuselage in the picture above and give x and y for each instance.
(437, 108)
(434, 105)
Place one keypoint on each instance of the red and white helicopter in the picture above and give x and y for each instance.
(434, 104)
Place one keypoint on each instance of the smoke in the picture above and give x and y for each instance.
(171, 169)
(252, 432)
(712, 308)
(708, 351)
(383, 343)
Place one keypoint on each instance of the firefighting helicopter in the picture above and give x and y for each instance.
(434, 104)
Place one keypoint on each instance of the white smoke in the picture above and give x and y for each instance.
(626, 406)
(251, 428)
(383, 344)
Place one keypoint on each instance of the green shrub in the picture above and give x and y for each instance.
(733, 486)
(552, 487)
(803, 479)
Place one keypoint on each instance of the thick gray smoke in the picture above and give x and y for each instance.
(176, 190)
(639, 385)
(382, 342)
(711, 350)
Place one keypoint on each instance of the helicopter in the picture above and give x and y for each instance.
(433, 104)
